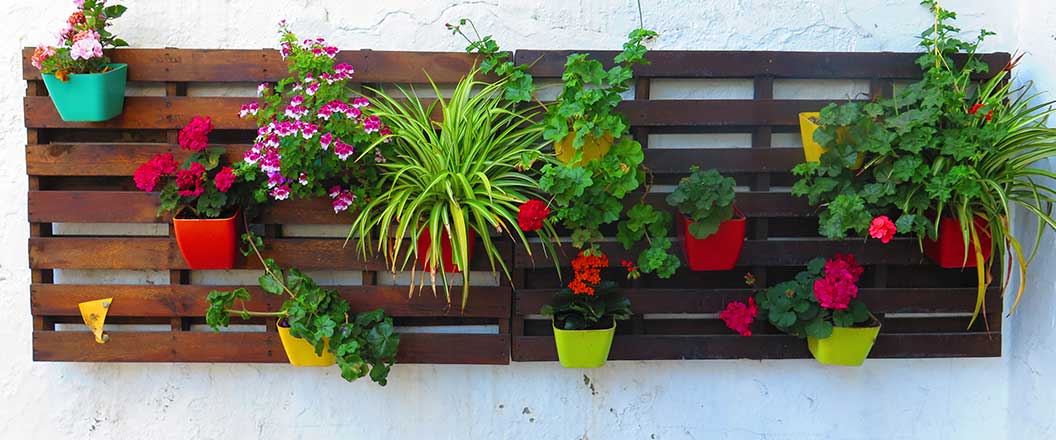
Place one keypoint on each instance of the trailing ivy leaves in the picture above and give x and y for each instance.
(586, 312)
(363, 344)
(706, 199)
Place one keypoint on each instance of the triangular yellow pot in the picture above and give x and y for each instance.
(302, 354)
(812, 150)
(848, 346)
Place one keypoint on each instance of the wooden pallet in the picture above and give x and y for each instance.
(80, 173)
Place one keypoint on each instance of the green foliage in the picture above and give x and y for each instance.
(469, 171)
(944, 146)
(706, 199)
(97, 17)
(519, 85)
(792, 308)
(364, 344)
(585, 312)
(645, 222)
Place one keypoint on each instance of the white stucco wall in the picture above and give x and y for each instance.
(895, 399)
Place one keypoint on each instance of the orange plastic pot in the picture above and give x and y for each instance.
(425, 242)
(207, 243)
(950, 249)
(718, 251)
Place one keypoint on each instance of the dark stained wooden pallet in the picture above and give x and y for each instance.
(80, 173)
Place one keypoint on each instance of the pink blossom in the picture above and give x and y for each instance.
(286, 128)
(334, 191)
(252, 156)
(324, 113)
(311, 89)
(280, 192)
(41, 55)
(330, 51)
(325, 140)
(275, 179)
(739, 316)
(263, 88)
(342, 199)
(303, 179)
(249, 109)
(343, 150)
(372, 124)
(297, 101)
(308, 130)
(86, 49)
(296, 112)
(354, 113)
(270, 161)
(882, 228)
(378, 157)
(224, 179)
(360, 102)
(285, 50)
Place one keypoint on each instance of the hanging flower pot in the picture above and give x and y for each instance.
(718, 251)
(593, 148)
(301, 353)
(812, 150)
(950, 249)
(207, 243)
(425, 241)
(848, 346)
(583, 348)
(89, 97)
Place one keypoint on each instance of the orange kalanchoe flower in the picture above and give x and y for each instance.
(587, 269)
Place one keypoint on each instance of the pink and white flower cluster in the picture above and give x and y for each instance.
(81, 39)
(342, 199)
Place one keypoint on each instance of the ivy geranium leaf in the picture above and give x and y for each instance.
(819, 328)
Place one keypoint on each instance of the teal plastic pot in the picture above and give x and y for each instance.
(89, 97)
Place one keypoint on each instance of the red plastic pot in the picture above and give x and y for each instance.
(949, 250)
(718, 251)
(425, 241)
(207, 243)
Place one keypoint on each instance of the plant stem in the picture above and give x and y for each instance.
(258, 314)
(267, 270)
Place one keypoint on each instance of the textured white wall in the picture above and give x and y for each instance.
(896, 399)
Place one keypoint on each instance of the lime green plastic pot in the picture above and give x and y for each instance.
(848, 346)
(583, 348)
(89, 97)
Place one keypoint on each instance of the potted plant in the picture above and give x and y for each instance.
(203, 196)
(821, 305)
(947, 157)
(711, 237)
(584, 314)
(316, 326)
(82, 82)
(310, 125)
(597, 164)
(453, 179)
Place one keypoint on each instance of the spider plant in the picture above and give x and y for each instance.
(470, 170)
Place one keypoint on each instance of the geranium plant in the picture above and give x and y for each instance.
(946, 146)
(81, 41)
(588, 303)
(470, 172)
(706, 199)
(363, 344)
(202, 187)
(310, 125)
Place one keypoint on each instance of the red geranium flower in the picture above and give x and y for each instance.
(882, 228)
(224, 179)
(189, 181)
(837, 288)
(739, 316)
(990, 115)
(975, 108)
(146, 177)
(531, 215)
(194, 136)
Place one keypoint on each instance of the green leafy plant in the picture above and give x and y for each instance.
(519, 84)
(706, 199)
(363, 344)
(819, 298)
(944, 146)
(644, 221)
(468, 171)
(571, 311)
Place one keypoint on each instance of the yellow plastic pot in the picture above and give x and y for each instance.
(302, 354)
(583, 348)
(812, 150)
(593, 148)
(848, 346)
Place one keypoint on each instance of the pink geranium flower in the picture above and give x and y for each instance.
(883, 229)
(739, 316)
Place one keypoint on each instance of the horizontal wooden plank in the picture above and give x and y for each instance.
(747, 64)
(675, 347)
(189, 300)
(139, 207)
(887, 300)
(163, 253)
(717, 113)
(123, 159)
(784, 252)
(233, 347)
(239, 65)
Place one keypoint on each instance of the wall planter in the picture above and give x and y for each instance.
(207, 244)
(848, 346)
(301, 353)
(812, 150)
(89, 97)
(950, 249)
(425, 241)
(718, 251)
(593, 148)
(583, 348)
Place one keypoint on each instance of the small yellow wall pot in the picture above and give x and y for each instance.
(812, 150)
(848, 346)
(593, 148)
(302, 354)
(583, 348)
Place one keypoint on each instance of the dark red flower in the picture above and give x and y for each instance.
(739, 316)
(224, 179)
(165, 163)
(990, 115)
(146, 177)
(194, 136)
(975, 108)
(532, 215)
(189, 181)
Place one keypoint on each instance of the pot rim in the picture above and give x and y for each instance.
(553, 324)
(222, 219)
(115, 67)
